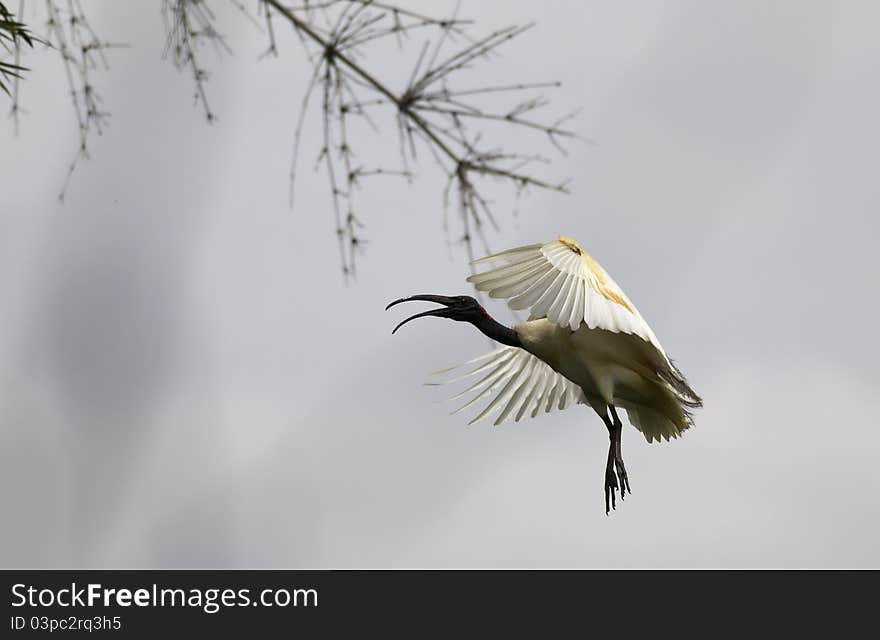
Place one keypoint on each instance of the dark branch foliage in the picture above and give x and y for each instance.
(12, 34)
(436, 116)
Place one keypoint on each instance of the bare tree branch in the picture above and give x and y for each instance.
(81, 50)
(189, 24)
(435, 117)
(431, 111)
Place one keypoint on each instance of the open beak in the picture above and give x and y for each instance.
(442, 312)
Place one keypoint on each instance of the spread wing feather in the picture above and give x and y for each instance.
(562, 282)
(516, 383)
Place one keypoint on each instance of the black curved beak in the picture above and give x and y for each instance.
(443, 312)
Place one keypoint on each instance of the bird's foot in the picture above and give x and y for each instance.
(622, 478)
(611, 487)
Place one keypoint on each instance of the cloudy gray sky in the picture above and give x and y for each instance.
(185, 380)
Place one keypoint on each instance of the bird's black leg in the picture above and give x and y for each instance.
(611, 484)
(618, 453)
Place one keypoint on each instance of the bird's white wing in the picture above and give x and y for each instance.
(562, 282)
(516, 383)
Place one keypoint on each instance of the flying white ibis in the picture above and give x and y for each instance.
(583, 343)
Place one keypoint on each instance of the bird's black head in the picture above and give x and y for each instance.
(461, 308)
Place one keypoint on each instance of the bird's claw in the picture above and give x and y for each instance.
(611, 487)
(615, 479)
(622, 478)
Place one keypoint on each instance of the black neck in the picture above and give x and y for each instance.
(497, 331)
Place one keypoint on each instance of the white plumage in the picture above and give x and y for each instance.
(585, 342)
(527, 386)
(562, 282)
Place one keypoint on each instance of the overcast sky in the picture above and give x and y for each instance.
(186, 381)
